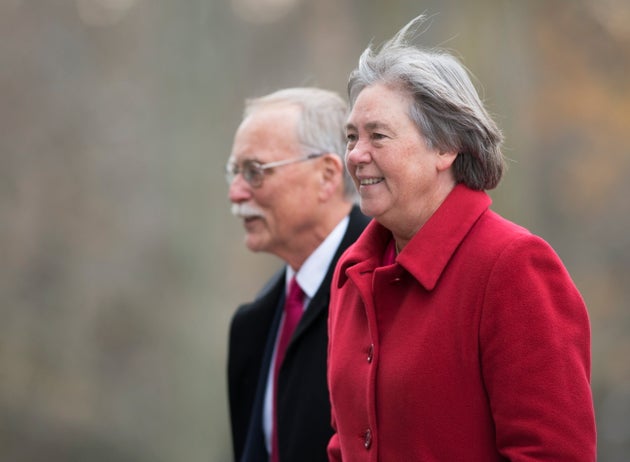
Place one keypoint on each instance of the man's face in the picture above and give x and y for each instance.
(278, 215)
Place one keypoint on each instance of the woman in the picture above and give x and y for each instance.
(454, 334)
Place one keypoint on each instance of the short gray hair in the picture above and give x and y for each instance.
(320, 124)
(446, 106)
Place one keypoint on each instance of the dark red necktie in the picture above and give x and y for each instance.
(293, 309)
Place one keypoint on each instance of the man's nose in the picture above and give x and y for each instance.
(239, 190)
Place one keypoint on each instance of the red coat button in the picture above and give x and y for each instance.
(367, 439)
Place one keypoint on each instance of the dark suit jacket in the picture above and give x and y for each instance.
(303, 403)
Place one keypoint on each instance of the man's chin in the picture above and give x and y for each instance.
(254, 244)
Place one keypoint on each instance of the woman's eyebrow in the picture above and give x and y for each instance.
(369, 126)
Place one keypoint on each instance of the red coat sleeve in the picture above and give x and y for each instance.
(535, 348)
(334, 450)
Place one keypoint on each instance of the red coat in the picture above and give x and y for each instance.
(474, 346)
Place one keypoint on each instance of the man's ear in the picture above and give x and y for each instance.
(330, 175)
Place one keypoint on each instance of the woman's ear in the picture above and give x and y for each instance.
(445, 160)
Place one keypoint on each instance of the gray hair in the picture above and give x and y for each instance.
(321, 122)
(446, 107)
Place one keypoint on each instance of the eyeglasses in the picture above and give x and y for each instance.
(254, 172)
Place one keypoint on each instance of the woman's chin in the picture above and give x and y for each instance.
(370, 208)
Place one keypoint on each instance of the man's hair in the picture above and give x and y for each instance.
(446, 107)
(321, 122)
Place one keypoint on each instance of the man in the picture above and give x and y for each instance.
(288, 185)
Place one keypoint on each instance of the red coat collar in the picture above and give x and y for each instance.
(429, 251)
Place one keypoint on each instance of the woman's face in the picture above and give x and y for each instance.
(400, 181)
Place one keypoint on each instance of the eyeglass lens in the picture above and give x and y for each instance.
(251, 171)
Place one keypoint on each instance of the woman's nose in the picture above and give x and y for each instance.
(359, 153)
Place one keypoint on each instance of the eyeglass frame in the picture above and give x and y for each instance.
(257, 169)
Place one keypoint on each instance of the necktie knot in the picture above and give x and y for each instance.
(293, 309)
(295, 297)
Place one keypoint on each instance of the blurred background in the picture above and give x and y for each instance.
(120, 265)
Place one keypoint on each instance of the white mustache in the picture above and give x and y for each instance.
(245, 210)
